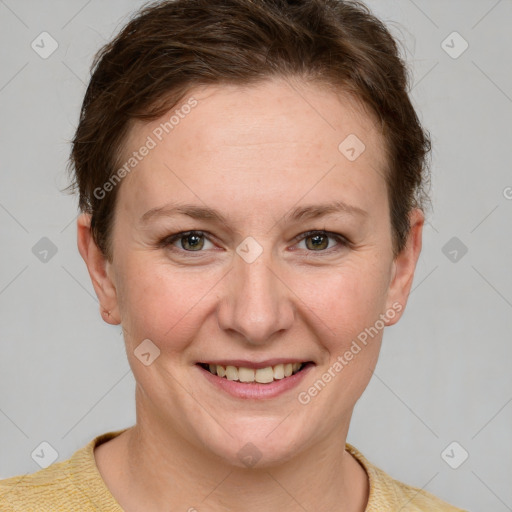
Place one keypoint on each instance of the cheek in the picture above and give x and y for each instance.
(169, 305)
(163, 304)
(346, 299)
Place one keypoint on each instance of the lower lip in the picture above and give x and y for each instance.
(255, 390)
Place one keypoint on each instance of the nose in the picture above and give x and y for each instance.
(258, 303)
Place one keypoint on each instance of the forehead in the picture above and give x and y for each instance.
(276, 140)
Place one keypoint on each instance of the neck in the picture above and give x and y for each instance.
(165, 471)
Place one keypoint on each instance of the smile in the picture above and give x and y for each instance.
(254, 375)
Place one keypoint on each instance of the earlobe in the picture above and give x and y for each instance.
(404, 265)
(97, 264)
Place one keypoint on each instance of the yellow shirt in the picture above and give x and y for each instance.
(75, 485)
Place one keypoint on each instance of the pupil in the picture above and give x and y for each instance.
(194, 237)
(317, 240)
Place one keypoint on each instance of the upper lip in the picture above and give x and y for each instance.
(254, 364)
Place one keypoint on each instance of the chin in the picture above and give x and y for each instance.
(256, 443)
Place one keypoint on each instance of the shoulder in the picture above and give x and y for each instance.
(388, 494)
(41, 490)
(72, 485)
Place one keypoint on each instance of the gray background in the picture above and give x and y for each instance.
(444, 371)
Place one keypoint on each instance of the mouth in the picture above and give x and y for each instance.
(260, 375)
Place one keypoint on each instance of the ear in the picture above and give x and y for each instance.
(403, 267)
(100, 271)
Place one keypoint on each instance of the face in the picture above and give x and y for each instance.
(294, 265)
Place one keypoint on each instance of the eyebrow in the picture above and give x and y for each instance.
(313, 211)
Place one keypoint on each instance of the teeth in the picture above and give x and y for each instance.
(231, 373)
(245, 374)
(279, 371)
(261, 375)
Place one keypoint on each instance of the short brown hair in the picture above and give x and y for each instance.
(169, 47)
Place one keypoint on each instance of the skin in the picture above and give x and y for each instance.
(253, 153)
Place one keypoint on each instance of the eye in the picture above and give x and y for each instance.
(319, 240)
(194, 241)
(190, 241)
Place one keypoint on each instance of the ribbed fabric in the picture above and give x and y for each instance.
(75, 485)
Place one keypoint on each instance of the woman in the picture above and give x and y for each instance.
(251, 177)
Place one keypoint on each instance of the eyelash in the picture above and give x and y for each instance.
(342, 241)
